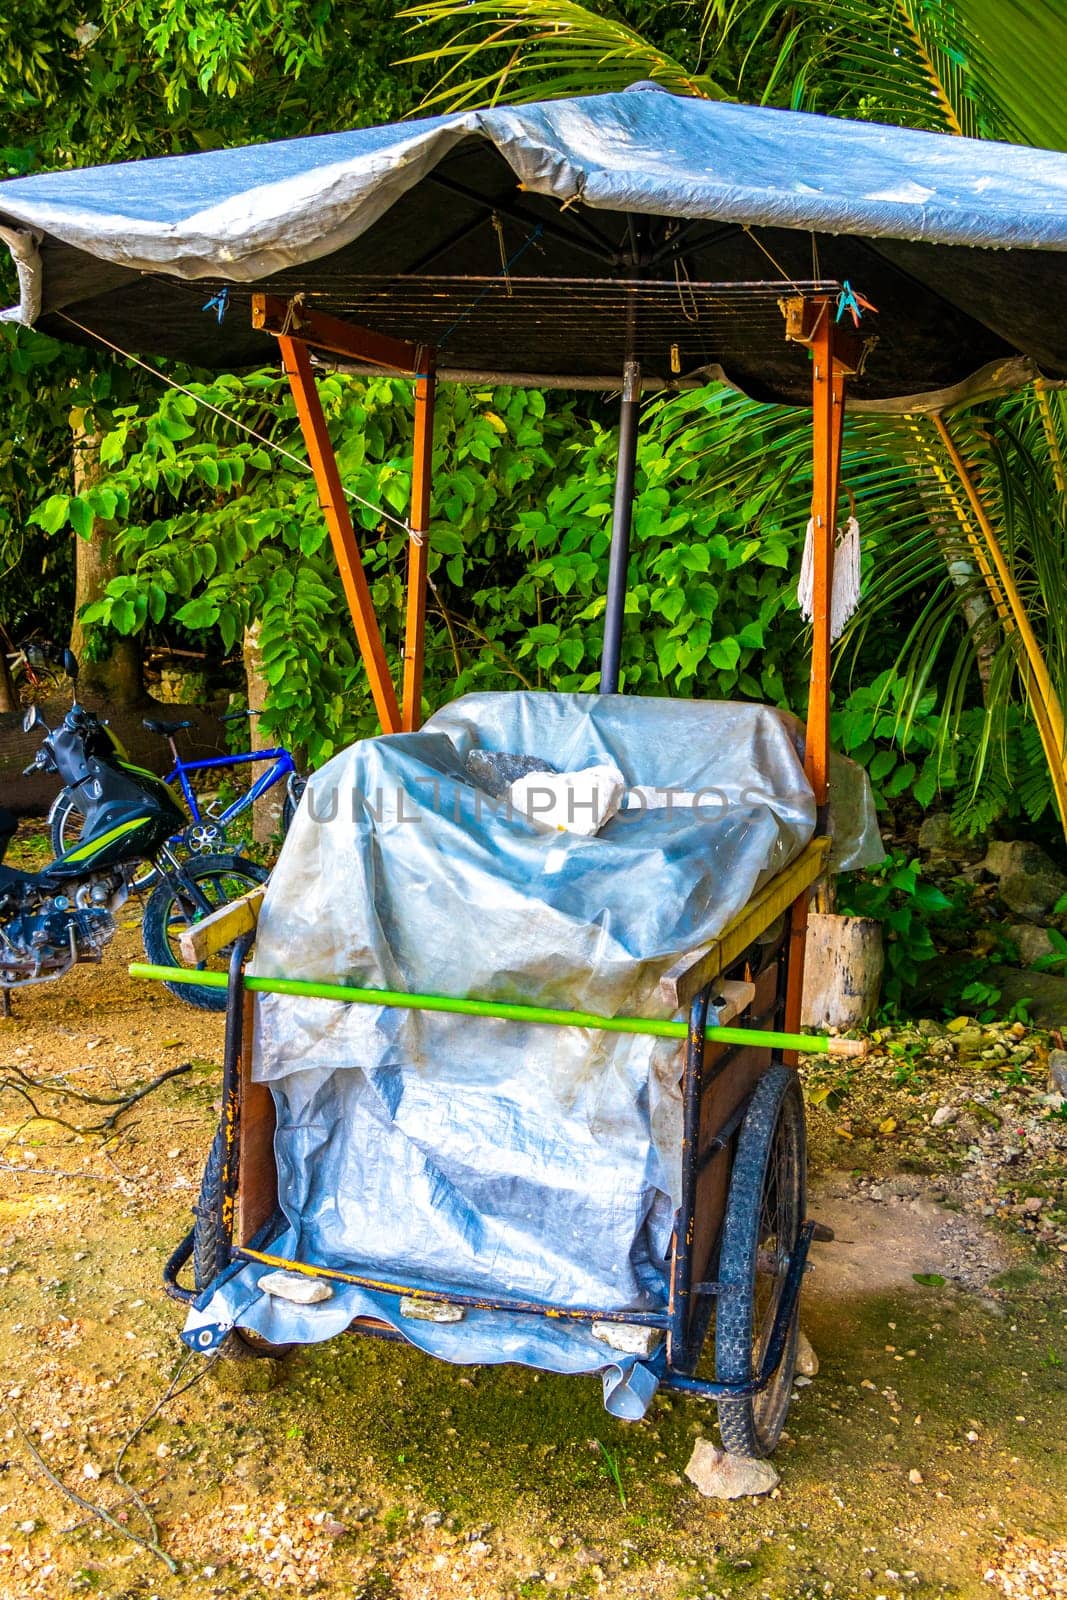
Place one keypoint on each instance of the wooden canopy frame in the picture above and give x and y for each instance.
(836, 354)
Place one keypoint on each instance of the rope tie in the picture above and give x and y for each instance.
(235, 422)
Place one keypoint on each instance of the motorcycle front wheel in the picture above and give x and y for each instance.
(173, 907)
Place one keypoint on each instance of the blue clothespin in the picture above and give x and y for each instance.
(853, 302)
(218, 303)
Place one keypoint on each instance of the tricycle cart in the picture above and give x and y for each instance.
(635, 241)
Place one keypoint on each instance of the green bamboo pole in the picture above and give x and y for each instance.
(653, 1027)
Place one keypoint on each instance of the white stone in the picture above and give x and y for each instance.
(720, 1476)
(944, 1115)
(627, 1337)
(420, 1310)
(571, 802)
(295, 1287)
(807, 1360)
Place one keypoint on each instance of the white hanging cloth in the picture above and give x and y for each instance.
(845, 592)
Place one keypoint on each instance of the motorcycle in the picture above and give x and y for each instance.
(65, 914)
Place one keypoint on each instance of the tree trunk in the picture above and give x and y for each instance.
(9, 700)
(118, 677)
(267, 811)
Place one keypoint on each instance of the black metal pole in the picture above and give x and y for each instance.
(621, 517)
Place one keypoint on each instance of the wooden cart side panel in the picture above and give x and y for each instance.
(257, 1172)
(723, 1094)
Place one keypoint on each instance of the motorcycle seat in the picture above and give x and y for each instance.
(166, 730)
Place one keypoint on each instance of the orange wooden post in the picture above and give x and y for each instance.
(828, 415)
(418, 544)
(298, 369)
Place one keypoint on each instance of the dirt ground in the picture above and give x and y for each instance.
(927, 1458)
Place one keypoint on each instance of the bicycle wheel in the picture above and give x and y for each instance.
(171, 909)
(764, 1216)
(294, 790)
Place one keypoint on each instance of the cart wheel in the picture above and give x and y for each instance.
(764, 1216)
(210, 1256)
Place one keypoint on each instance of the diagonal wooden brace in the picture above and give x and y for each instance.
(297, 364)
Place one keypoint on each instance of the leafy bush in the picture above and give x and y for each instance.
(896, 895)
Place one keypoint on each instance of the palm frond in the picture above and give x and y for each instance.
(514, 50)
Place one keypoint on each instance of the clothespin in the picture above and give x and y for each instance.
(218, 303)
(853, 302)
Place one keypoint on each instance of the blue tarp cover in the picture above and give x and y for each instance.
(960, 243)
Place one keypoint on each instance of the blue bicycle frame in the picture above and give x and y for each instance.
(283, 766)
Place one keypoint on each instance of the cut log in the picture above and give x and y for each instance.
(842, 971)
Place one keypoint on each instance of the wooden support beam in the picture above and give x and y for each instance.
(205, 939)
(418, 547)
(828, 416)
(804, 323)
(291, 319)
(349, 558)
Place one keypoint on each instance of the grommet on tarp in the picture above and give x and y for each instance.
(219, 303)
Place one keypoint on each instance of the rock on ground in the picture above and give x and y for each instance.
(1031, 941)
(721, 1476)
(807, 1360)
(1046, 992)
(943, 846)
(1057, 1071)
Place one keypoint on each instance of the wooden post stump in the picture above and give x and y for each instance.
(842, 971)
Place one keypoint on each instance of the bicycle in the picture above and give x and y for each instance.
(207, 831)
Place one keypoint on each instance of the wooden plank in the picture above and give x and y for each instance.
(688, 976)
(257, 1171)
(292, 319)
(418, 549)
(346, 548)
(222, 927)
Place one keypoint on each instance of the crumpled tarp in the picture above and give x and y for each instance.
(959, 242)
(494, 1157)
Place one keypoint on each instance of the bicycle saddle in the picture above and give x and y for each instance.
(166, 730)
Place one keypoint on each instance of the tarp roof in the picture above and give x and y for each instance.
(677, 224)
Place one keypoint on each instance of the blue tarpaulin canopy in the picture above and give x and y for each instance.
(550, 242)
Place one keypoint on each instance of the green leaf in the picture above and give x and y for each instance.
(81, 517)
(52, 515)
(199, 613)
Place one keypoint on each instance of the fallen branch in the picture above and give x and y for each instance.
(101, 1512)
(20, 1083)
(171, 1394)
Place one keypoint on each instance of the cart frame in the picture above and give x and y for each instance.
(718, 1082)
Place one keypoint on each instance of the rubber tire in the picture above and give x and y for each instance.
(157, 914)
(752, 1426)
(209, 1246)
(291, 802)
(209, 1254)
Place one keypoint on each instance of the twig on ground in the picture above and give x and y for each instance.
(53, 1172)
(151, 1545)
(172, 1393)
(21, 1084)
